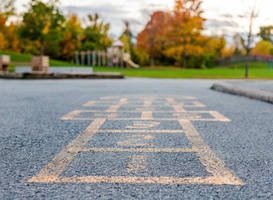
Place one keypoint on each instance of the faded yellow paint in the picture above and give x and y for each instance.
(147, 103)
(89, 103)
(71, 115)
(139, 131)
(142, 125)
(108, 115)
(114, 108)
(135, 150)
(219, 174)
(137, 141)
(137, 164)
(136, 180)
(219, 116)
(207, 157)
(147, 115)
(63, 159)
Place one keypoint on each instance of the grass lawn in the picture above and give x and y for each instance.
(257, 70)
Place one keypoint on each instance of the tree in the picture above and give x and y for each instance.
(151, 38)
(44, 23)
(184, 32)
(263, 47)
(266, 33)
(72, 37)
(7, 8)
(127, 37)
(246, 34)
(96, 34)
(216, 45)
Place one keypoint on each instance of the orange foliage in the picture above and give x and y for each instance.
(184, 34)
(152, 38)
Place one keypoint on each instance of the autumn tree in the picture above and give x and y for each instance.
(96, 34)
(43, 24)
(184, 33)
(72, 35)
(8, 37)
(7, 9)
(151, 39)
(216, 45)
(262, 47)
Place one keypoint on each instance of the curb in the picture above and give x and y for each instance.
(37, 75)
(244, 91)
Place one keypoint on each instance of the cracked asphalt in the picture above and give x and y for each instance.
(32, 134)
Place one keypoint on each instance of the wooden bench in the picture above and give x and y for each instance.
(38, 63)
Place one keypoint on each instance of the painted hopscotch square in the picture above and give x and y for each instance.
(93, 115)
(180, 165)
(141, 126)
(138, 140)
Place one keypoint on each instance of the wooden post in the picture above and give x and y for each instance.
(88, 58)
(82, 57)
(103, 58)
(93, 58)
(99, 58)
(110, 56)
(117, 57)
(77, 57)
(40, 63)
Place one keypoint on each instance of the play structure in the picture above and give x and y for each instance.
(114, 56)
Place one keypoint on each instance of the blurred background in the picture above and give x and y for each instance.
(209, 36)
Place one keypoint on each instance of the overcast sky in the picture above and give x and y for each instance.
(136, 11)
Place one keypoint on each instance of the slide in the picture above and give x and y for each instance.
(126, 58)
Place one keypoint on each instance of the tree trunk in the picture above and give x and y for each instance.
(42, 49)
(246, 66)
(152, 60)
(152, 53)
(184, 59)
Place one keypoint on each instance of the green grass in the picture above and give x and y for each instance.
(257, 70)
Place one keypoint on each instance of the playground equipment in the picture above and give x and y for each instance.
(38, 63)
(114, 56)
(127, 59)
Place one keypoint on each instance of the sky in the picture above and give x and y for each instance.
(137, 13)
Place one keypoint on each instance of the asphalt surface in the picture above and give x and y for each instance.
(34, 131)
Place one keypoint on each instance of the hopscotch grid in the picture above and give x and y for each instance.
(219, 174)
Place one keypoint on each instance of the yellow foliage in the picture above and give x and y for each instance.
(46, 29)
(2, 41)
(263, 48)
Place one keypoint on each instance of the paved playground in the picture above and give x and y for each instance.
(132, 139)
